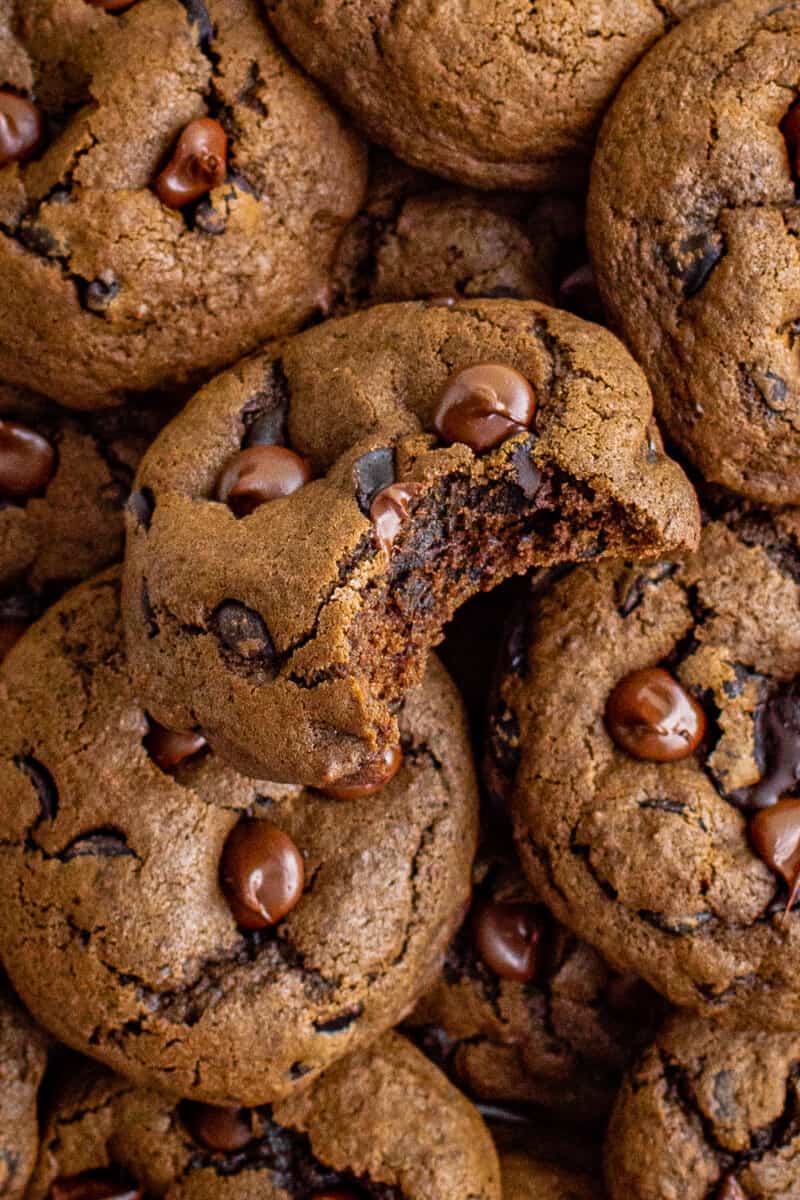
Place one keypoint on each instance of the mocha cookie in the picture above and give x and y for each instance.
(223, 938)
(383, 1125)
(708, 1114)
(23, 1057)
(172, 197)
(307, 525)
(506, 97)
(693, 227)
(653, 715)
(524, 1011)
(526, 1178)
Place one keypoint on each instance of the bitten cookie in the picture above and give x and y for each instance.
(383, 1125)
(655, 716)
(525, 1178)
(23, 1057)
(523, 1011)
(223, 938)
(171, 193)
(708, 1113)
(693, 226)
(508, 96)
(304, 529)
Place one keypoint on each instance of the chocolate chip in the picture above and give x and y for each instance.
(373, 472)
(342, 1021)
(243, 632)
(108, 1184)
(775, 837)
(730, 1189)
(703, 251)
(97, 294)
(790, 128)
(43, 783)
(27, 461)
(444, 301)
(779, 733)
(266, 429)
(389, 511)
(141, 505)
(168, 748)
(629, 996)
(21, 128)
(578, 294)
(529, 477)
(651, 717)
(482, 405)
(222, 1129)
(507, 937)
(259, 474)
(369, 781)
(100, 843)
(261, 874)
(198, 164)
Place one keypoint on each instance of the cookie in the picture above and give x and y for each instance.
(383, 1125)
(303, 530)
(693, 227)
(180, 206)
(525, 1012)
(708, 1113)
(526, 1178)
(220, 937)
(509, 98)
(23, 1057)
(654, 717)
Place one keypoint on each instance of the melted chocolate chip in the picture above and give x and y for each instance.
(790, 128)
(27, 462)
(198, 164)
(243, 632)
(43, 784)
(507, 937)
(222, 1129)
(100, 843)
(529, 477)
(775, 837)
(21, 128)
(389, 510)
(168, 748)
(141, 506)
(96, 1185)
(779, 730)
(369, 781)
(483, 405)
(443, 301)
(373, 472)
(261, 874)
(254, 476)
(578, 294)
(651, 717)
(266, 429)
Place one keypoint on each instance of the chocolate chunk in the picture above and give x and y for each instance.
(790, 128)
(703, 251)
(96, 1185)
(258, 474)
(261, 874)
(43, 783)
(97, 294)
(243, 632)
(266, 429)
(529, 477)
(168, 748)
(373, 472)
(651, 717)
(342, 1021)
(442, 301)
(775, 837)
(482, 405)
(21, 128)
(779, 731)
(27, 462)
(142, 505)
(507, 937)
(100, 843)
(578, 294)
(198, 164)
(389, 510)
(370, 780)
(222, 1129)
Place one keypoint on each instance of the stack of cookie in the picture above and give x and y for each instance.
(339, 342)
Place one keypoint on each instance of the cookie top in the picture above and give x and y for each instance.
(708, 1112)
(220, 937)
(525, 1012)
(693, 227)
(123, 272)
(383, 1125)
(23, 1057)
(526, 1178)
(453, 91)
(640, 798)
(287, 620)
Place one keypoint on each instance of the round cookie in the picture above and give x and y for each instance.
(223, 938)
(286, 634)
(708, 1112)
(652, 715)
(110, 289)
(556, 1031)
(507, 97)
(693, 227)
(383, 1125)
(526, 1178)
(23, 1057)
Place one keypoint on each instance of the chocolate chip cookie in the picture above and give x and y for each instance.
(653, 716)
(181, 201)
(23, 1057)
(708, 1113)
(506, 97)
(526, 1178)
(223, 938)
(693, 226)
(303, 530)
(383, 1125)
(525, 1012)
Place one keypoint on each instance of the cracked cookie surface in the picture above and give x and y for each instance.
(451, 87)
(693, 227)
(23, 1056)
(650, 861)
(383, 1125)
(116, 929)
(337, 625)
(705, 1108)
(108, 291)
